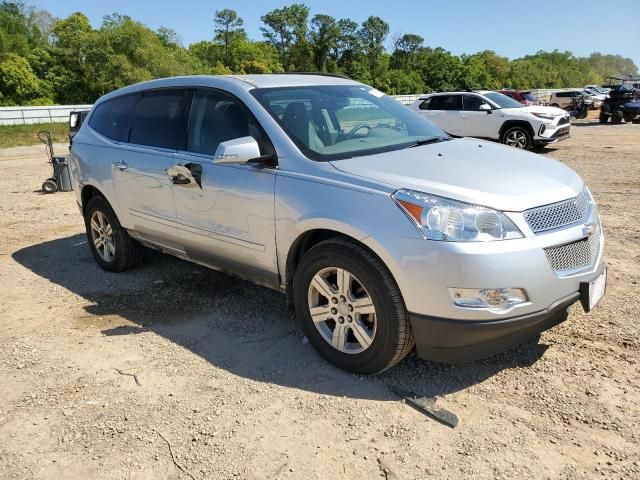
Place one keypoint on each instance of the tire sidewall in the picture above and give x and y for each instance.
(377, 356)
(100, 204)
(521, 129)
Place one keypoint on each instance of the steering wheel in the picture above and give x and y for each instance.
(355, 129)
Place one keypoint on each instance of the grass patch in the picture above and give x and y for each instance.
(18, 135)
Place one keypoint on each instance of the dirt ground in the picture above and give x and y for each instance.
(226, 386)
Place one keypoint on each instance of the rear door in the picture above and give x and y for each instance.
(143, 189)
(226, 213)
(444, 111)
(476, 122)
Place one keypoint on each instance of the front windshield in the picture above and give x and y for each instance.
(331, 122)
(502, 100)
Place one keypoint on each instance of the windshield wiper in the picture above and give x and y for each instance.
(427, 141)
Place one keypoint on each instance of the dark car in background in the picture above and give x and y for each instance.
(525, 98)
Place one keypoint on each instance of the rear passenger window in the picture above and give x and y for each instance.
(157, 121)
(446, 102)
(216, 118)
(112, 118)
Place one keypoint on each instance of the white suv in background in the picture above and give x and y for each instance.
(487, 114)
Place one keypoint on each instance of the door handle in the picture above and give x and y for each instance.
(120, 166)
(186, 175)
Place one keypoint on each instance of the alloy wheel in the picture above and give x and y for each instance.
(102, 236)
(516, 138)
(342, 310)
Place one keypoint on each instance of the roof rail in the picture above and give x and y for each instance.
(322, 74)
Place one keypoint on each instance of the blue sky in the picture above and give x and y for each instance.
(511, 28)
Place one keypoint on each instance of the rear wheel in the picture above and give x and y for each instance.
(517, 137)
(350, 308)
(111, 245)
(603, 118)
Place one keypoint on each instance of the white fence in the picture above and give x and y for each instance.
(29, 115)
(60, 113)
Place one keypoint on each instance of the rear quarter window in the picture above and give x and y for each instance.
(112, 118)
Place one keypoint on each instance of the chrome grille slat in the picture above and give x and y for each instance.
(558, 215)
(575, 256)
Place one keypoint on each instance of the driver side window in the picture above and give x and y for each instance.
(216, 118)
(472, 103)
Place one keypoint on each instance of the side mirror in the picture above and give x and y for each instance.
(237, 151)
(485, 107)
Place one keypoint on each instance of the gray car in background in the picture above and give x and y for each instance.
(383, 232)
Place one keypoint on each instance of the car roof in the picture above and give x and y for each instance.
(246, 82)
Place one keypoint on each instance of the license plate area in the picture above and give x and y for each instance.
(592, 292)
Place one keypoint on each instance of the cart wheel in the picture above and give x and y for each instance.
(49, 186)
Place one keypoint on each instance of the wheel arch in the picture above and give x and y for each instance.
(87, 193)
(305, 241)
(517, 123)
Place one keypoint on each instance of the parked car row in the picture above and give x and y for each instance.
(495, 116)
(382, 230)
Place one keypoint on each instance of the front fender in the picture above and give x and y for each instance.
(359, 213)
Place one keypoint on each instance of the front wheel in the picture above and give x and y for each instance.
(616, 117)
(603, 118)
(112, 247)
(517, 137)
(350, 308)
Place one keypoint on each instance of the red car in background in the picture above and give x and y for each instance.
(525, 98)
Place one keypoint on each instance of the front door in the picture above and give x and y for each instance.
(225, 212)
(476, 122)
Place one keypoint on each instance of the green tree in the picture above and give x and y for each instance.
(372, 34)
(405, 48)
(18, 83)
(286, 29)
(324, 35)
(14, 32)
(228, 31)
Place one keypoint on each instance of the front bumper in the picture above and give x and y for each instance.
(552, 133)
(450, 340)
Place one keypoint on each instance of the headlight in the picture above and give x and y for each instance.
(444, 219)
(546, 116)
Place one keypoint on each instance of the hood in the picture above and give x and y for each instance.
(543, 109)
(473, 171)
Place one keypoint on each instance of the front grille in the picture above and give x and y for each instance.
(557, 215)
(563, 120)
(573, 257)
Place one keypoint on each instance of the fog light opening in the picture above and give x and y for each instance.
(495, 299)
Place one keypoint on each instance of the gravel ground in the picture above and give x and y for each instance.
(226, 387)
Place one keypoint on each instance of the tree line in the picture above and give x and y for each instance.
(46, 60)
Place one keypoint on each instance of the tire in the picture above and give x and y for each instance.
(517, 137)
(49, 186)
(616, 117)
(628, 118)
(603, 118)
(388, 331)
(112, 247)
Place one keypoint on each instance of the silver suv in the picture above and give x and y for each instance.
(382, 231)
